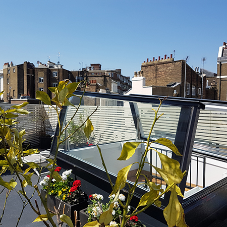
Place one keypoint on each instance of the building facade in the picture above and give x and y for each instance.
(221, 79)
(173, 78)
(22, 81)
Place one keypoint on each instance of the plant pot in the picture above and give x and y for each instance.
(83, 217)
(70, 210)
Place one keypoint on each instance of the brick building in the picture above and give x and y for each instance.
(167, 78)
(25, 79)
(221, 78)
(103, 80)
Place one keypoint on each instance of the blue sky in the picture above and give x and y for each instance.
(115, 33)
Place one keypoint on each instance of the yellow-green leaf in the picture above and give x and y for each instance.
(11, 156)
(57, 176)
(52, 89)
(33, 165)
(67, 220)
(128, 150)
(21, 111)
(9, 185)
(178, 191)
(168, 143)
(27, 177)
(20, 106)
(67, 103)
(72, 87)
(170, 172)
(11, 115)
(42, 217)
(61, 85)
(106, 217)
(2, 151)
(43, 96)
(24, 183)
(92, 224)
(174, 213)
(88, 129)
(3, 162)
(31, 151)
(121, 179)
(62, 95)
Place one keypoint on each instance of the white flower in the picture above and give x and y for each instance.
(53, 180)
(129, 208)
(99, 197)
(122, 197)
(67, 173)
(46, 178)
(113, 212)
(96, 211)
(43, 183)
(113, 223)
(116, 205)
(64, 177)
(112, 196)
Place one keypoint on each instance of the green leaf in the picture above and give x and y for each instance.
(61, 85)
(3, 162)
(67, 103)
(121, 179)
(174, 213)
(43, 96)
(57, 176)
(106, 217)
(20, 106)
(9, 185)
(72, 87)
(24, 183)
(67, 220)
(11, 156)
(33, 165)
(92, 224)
(42, 217)
(168, 143)
(170, 172)
(128, 150)
(2, 151)
(88, 129)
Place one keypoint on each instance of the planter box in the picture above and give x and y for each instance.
(70, 210)
(83, 217)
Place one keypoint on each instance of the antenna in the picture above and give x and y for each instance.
(173, 54)
(58, 57)
(203, 59)
(48, 57)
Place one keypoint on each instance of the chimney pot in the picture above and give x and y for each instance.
(224, 43)
(147, 59)
(165, 56)
(159, 58)
(153, 58)
(171, 55)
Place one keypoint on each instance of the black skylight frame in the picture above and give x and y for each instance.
(184, 140)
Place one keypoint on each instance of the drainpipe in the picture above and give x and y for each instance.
(185, 77)
(220, 80)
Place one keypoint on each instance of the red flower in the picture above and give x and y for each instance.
(77, 183)
(73, 188)
(57, 169)
(134, 218)
(90, 196)
(48, 176)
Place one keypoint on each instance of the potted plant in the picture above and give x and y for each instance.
(97, 207)
(65, 196)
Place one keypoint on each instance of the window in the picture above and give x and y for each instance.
(55, 84)
(188, 88)
(193, 90)
(199, 90)
(8, 70)
(55, 74)
(40, 88)
(14, 70)
(40, 79)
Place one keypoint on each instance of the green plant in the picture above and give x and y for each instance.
(170, 172)
(12, 152)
